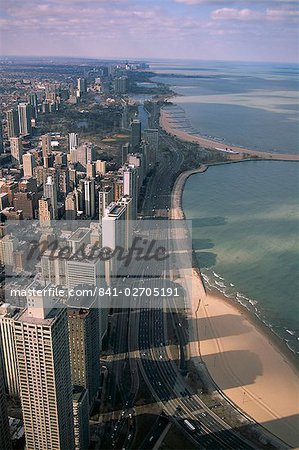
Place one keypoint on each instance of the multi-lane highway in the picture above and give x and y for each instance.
(148, 337)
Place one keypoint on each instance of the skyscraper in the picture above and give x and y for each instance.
(73, 141)
(81, 417)
(8, 314)
(105, 198)
(8, 245)
(46, 145)
(5, 442)
(84, 336)
(44, 212)
(81, 86)
(135, 134)
(33, 103)
(121, 85)
(131, 187)
(16, 150)
(90, 169)
(89, 192)
(84, 153)
(42, 347)
(12, 119)
(100, 167)
(70, 206)
(25, 113)
(28, 164)
(50, 192)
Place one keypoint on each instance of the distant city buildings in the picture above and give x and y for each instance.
(121, 85)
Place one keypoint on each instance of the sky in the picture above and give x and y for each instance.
(252, 30)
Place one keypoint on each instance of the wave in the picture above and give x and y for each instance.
(214, 281)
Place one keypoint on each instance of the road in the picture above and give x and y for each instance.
(148, 335)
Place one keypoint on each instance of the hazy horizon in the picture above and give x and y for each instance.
(231, 30)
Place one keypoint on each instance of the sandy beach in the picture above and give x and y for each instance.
(242, 360)
(170, 127)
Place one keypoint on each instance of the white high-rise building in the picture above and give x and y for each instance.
(16, 150)
(8, 314)
(131, 187)
(8, 245)
(105, 198)
(42, 348)
(83, 272)
(25, 113)
(50, 192)
(113, 235)
(28, 164)
(73, 141)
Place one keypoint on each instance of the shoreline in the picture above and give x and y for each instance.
(272, 390)
(171, 128)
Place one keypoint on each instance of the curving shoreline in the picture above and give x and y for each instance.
(171, 128)
(255, 372)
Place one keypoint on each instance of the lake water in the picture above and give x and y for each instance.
(245, 215)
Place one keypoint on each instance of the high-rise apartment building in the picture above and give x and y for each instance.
(84, 336)
(42, 348)
(26, 202)
(5, 441)
(28, 164)
(135, 134)
(121, 85)
(105, 198)
(81, 417)
(25, 114)
(8, 314)
(130, 177)
(89, 192)
(46, 145)
(12, 119)
(100, 167)
(70, 206)
(50, 192)
(84, 153)
(73, 141)
(8, 245)
(81, 86)
(16, 150)
(44, 212)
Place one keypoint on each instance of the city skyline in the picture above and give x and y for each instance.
(180, 29)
